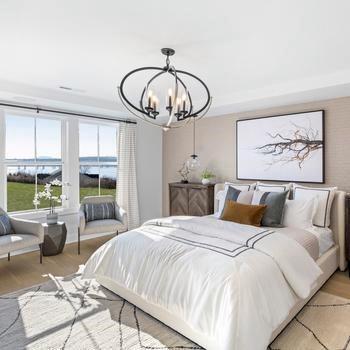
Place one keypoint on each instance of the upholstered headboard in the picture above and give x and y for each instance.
(337, 221)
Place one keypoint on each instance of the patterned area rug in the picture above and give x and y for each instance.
(323, 324)
(71, 313)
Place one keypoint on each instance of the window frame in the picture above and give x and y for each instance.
(98, 164)
(13, 163)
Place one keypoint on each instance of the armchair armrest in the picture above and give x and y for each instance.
(82, 221)
(121, 215)
(22, 226)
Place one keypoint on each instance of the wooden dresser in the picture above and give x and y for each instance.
(347, 229)
(192, 199)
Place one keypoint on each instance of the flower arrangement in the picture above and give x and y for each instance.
(48, 194)
(206, 174)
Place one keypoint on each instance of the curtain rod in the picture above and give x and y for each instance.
(57, 111)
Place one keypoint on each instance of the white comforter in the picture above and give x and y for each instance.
(232, 283)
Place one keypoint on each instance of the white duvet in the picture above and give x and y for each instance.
(232, 283)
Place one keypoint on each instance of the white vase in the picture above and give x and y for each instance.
(52, 218)
(205, 181)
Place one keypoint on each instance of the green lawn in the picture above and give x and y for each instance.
(20, 195)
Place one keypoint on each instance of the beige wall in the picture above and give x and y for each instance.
(215, 144)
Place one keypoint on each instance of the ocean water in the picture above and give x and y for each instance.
(109, 171)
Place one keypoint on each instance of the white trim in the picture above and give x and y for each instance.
(3, 198)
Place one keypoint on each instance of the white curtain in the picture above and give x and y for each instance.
(127, 186)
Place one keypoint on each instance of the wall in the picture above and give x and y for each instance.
(215, 144)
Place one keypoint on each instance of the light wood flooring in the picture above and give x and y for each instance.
(25, 271)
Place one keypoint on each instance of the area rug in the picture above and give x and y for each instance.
(71, 313)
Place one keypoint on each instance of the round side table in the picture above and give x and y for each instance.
(54, 239)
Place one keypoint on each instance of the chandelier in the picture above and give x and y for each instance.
(176, 107)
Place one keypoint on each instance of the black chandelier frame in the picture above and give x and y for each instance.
(148, 113)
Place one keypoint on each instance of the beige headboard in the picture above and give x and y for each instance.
(337, 221)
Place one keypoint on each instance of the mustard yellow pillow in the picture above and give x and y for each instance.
(243, 213)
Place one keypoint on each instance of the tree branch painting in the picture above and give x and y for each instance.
(297, 145)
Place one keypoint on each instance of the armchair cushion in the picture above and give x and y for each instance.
(27, 227)
(99, 211)
(12, 242)
(121, 215)
(103, 226)
(5, 223)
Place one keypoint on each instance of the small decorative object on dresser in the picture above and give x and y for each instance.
(347, 229)
(184, 172)
(206, 176)
(192, 199)
(54, 238)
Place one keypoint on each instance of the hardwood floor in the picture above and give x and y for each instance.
(25, 271)
(338, 284)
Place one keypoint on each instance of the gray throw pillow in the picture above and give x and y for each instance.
(275, 202)
(233, 194)
(99, 211)
(244, 197)
(5, 223)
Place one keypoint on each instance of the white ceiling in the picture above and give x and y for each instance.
(251, 53)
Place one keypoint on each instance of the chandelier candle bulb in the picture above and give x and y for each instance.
(155, 103)
(178, 104)
(184, 103)
(149, 99)
(170, 94)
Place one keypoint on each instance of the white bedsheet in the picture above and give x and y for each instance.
(324, 236)
(232, 283)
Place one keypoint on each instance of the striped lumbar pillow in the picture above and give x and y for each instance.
(5, 223)
(275, 202)
(99, 211)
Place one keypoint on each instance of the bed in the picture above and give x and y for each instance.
(214, 281)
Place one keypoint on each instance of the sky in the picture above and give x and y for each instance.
(20, 133)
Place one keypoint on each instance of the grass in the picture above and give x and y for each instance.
(20, 195)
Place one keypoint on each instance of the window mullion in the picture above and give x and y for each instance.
(98, 160)
(35, 161)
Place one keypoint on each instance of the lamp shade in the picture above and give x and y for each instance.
(193, 163)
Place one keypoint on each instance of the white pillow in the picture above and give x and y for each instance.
(260, 186)
(300, 213)
(324, 195)
(241, 187)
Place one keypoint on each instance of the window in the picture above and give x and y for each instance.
(33, 157)
(98, 159)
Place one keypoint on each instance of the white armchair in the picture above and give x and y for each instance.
(116, 225)
(25, 234)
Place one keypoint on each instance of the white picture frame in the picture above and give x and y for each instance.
(288, 147)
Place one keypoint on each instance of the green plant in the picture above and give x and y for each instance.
(206, 174)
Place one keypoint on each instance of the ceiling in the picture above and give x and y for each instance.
(251, 53)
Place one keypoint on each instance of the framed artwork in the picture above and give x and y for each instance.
(286, 147)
